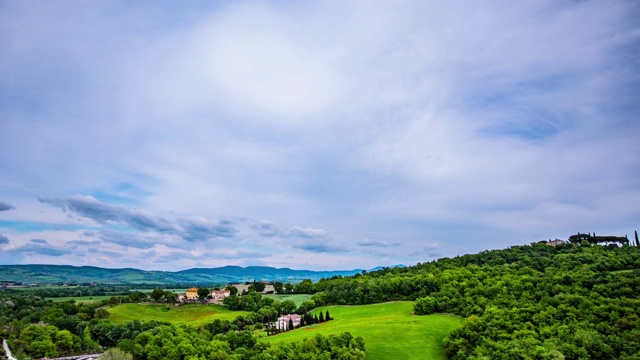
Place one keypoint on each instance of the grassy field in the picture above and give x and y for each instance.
(389, 330)
(43, 287)
(80, 298)
(192, 314)
(296, 298)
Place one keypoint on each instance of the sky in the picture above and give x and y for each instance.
(319, 135)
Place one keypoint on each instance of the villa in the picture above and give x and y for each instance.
(283, 321)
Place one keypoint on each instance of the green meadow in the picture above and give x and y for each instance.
(296, 298)
(191, 314)
(389, 330)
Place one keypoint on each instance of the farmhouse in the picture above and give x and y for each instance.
(220, 294)
(283, 321)
(192, 294)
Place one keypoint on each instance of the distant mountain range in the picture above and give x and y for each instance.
(227, 274)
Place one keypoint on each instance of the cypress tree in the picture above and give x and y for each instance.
(637, 243)
(327, 317)
(290, 324)
(315, 319)
(302, 321)
(321, 318)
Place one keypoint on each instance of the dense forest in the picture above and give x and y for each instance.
(573, 301)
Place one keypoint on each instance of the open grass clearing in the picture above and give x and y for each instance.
(296, 298)
(389, 330)
(190, 314)
(622, 271)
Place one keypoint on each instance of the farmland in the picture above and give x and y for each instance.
(81, 299)
(390, 331)
(191, 314)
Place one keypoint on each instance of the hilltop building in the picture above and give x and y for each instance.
(555, 242)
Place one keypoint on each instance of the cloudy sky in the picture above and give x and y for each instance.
(313, 135)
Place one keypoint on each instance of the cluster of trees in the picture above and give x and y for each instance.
(63, 327)
(254, 301)
(310, 319)
(171, 342)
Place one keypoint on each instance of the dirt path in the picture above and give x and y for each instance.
(7, 351)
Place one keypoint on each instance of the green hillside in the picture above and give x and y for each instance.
(389, 330)
(52, 274)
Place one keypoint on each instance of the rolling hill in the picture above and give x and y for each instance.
(227, 274)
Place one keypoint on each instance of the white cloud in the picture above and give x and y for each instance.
(403, 123)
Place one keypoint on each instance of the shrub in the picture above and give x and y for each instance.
(425, 306)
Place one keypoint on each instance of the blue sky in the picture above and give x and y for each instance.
(312, 135)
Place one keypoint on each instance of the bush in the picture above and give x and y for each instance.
(425, 306)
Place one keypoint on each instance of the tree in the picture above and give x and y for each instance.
(170, 296)
(137, 296)
(308, 318)
(279, 287)
(290, 324)
(637, 243)
(320, 298)
(43, 348)
(131, 347)
(321, 317)
(232, 290)
(305, 287)
(259, 286)
(115, 354)
(327, 317)
(288, 287)
(66, 342)
(306, 306)
(203, 293)
(287, 307)
(157, 294)
(102, 313)
(232, 302)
